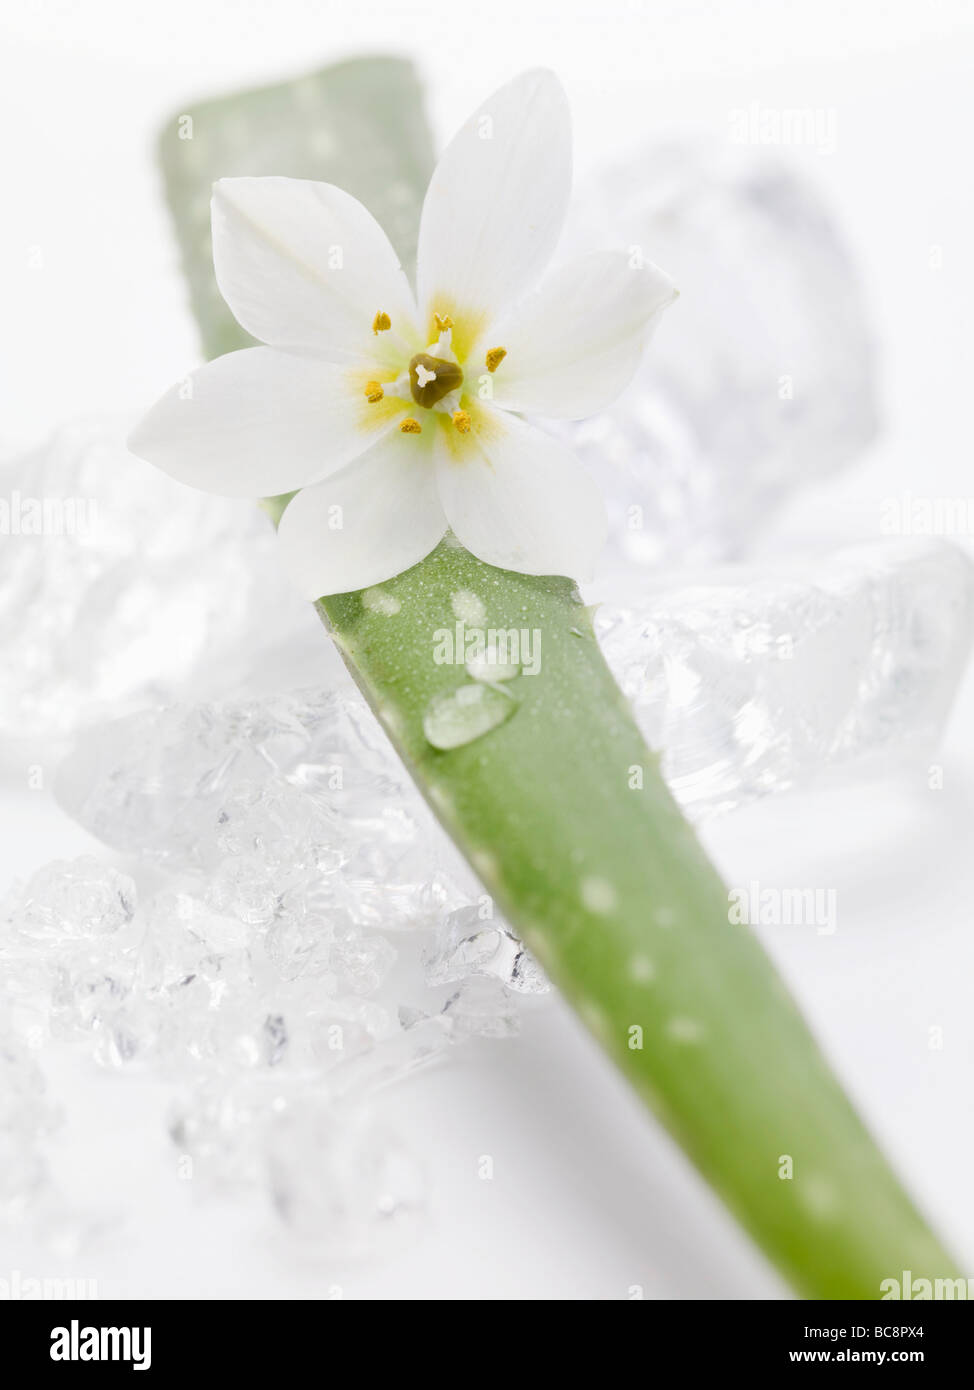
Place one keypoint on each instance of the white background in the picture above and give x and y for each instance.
(589, 1197)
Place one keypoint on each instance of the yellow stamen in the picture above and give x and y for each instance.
(495, 357)
(381, 322)
(443, 322)
(410, 426)
(462, 421)
(373, 392)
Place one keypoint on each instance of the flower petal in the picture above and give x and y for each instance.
(305, 266)
(519, 499)
(371, 521)
(496, 203)
(260, 422)
(573, 346)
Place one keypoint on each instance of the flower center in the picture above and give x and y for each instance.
(434, 382)
(432, 378)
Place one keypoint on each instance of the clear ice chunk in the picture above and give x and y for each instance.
(404, 891)
(177, 785)
(299, 944)
(757, 682)
(74, 899)
(265, 797)
(261, 971)
(282, 829)
(468, 945)
(343, 1028)
(415, 1041)
(143, 591)
(244, 889)
(766, 381)
(88, 991)
(360, 961)
(182, 938)
(481, 1008)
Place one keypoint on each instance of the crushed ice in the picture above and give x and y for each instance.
(307, 936)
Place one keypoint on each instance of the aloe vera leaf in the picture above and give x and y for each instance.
(560, 806)
(563, 813)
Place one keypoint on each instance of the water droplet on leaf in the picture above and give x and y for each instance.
(459, 716)
(490, 664)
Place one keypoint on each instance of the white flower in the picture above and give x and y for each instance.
(397, 421)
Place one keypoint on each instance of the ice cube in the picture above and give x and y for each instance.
(361, 961)
(269, 795)
(763, 379)
(481, 1008)
(136, 590)
(177, 785)
(754, 682)
(467, 945)
(74, 899)
(298, 944)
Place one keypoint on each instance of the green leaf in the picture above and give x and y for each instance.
(563, 813)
